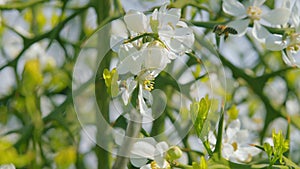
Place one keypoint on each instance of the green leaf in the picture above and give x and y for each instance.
(290, 163)
(199, 112)
(111, 81)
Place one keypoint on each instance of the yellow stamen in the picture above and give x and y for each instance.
(235, 146)
(254, 12)
(148, 85)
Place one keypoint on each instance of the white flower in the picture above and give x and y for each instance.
(127, 87)
(176, 35)
(235, 143)
(253, 12)
(145, 65)
(291, 44)
(136, 21)
(149, 149)
(145, 46)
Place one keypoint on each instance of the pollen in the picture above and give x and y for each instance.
(235, 146)
(254, 12)
(148, 85)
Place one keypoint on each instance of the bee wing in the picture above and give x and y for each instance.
(231, 30)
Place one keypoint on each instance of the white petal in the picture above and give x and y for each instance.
(181, 24)
(125, 97)
(259, 31)
(129, 64)
(159, 153)
(148, 166)
(162, 147)
(212, 138)
(143, 149)
(295, 16)
(136, 21)
(277, 16)
(253, 151)
(155, 58)
(242, 136)
(227, 150)
(292, 58)
(145, 111)
(118, 34)
(242, 155)
(126, 50)
(234, 8)
(275, 42)
(258, 3)
(168, 19)
(118, 135)
(137, 161)
(240, 26)
(148, 96)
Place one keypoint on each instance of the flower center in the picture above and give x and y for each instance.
(153, 165)
(254, 12)
(148, 85)
(235, 146)
(294, 46)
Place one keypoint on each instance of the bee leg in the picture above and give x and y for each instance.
(226, 36)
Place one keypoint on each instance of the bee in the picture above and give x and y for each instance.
(223, 29)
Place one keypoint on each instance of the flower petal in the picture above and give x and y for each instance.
(166, 17)
(155, 58)
(148, 166)
(136, 21)
(126, 50)
(259, 31)
(137, 161)
(240, 26)
(130, 64)
(143, 149)
(227, 150)
(119, 135)
(292, 58)
(242, 155)
(118, 34)
(146, 111)
(258, 3)
(234, 8)
(275, 42)
(277, 16)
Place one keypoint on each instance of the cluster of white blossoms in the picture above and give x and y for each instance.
(149, 149)
(236, 143)
(145, 45)
(254, 13)
(289, 44)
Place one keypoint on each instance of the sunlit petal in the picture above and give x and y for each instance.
(136, 21)
(234, 8)
(277, 16)
(259, 31)
(275, 42)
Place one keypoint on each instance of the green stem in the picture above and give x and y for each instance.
(153, 35)
(179, 165)
(218, 148)
(21, 5)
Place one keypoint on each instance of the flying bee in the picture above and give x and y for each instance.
(223, 29)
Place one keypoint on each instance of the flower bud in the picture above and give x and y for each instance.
(174, 153)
